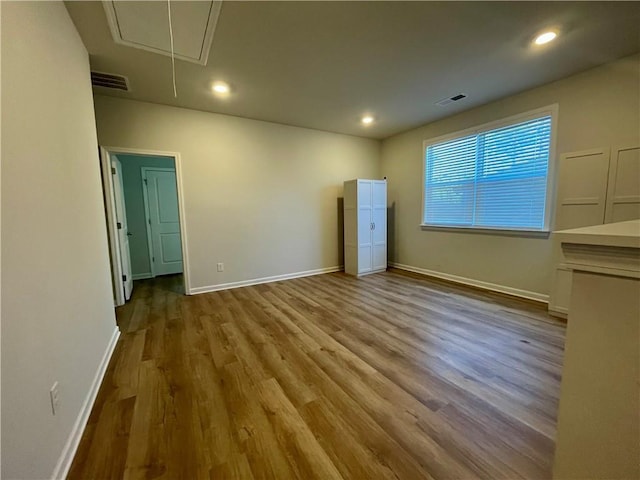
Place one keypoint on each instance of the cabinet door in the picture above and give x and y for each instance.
(379, 224)
(364, 241)
(582, 189)
(623, 194)
(581, 199)
(365, 245)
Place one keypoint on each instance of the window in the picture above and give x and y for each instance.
(493, 177)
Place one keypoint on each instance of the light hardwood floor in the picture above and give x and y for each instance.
(388, 376)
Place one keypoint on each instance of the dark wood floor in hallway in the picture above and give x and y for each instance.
(387, 376)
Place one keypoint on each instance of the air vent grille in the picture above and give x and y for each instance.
(109, 80)
(447, 101)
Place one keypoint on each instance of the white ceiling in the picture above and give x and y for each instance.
(324, 64)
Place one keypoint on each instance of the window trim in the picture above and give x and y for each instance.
(551, 110)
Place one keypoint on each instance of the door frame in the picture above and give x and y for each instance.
(109, 195)
(147, 214)
(122, 231)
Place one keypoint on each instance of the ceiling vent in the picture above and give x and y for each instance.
(109, 80)
(447, 101)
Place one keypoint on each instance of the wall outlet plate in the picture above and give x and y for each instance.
(221, 267)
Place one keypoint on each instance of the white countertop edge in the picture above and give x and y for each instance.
(620, 234)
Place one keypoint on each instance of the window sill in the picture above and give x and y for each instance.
(509, 232)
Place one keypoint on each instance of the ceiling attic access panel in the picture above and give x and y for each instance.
(145, 25)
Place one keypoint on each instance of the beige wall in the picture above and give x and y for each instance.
(260, 197)
(599, 107)
(57, 307)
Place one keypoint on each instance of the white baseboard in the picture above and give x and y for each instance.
(516, 292)
(70, 448)
(559, 312)
(141, 276)
(257, 281)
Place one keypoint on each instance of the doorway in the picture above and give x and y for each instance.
(145, 219)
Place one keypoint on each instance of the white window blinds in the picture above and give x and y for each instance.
(493, 179)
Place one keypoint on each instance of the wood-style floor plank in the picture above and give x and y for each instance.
(389, 376)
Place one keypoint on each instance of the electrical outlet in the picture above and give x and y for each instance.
(221, 267)
(54, 395)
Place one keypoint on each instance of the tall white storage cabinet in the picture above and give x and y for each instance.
(365, 226)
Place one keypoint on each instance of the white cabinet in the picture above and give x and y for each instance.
(581, 201)
(594, 187)
(598, 415)
(623, 193)
(365, 226)
(582, 188)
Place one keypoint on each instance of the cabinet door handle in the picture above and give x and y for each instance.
(374, 226)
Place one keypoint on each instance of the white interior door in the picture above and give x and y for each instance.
(123, 231)
(161, 196)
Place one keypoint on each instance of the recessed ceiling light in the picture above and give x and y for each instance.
(367, 119)
(221, 88)
(545, 37)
